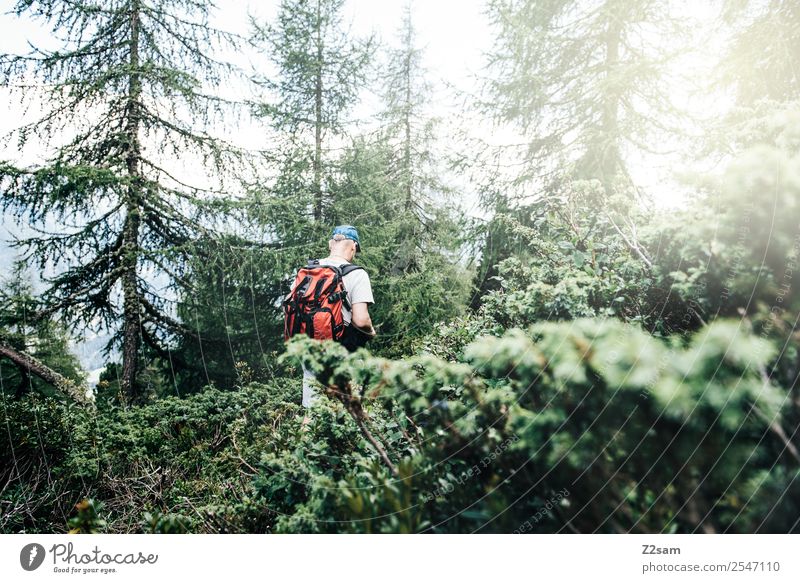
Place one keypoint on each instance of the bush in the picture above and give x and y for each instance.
(645, 436)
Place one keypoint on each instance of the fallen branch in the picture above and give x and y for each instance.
(239, 455)
(35, 367)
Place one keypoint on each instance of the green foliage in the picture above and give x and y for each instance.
(417, 277)
(24, 330)
(236, 328)
(621, 369)
(87, 519)
(158, 523)
(173, 465)
(590, 405)
(562, 259)
(122, 92)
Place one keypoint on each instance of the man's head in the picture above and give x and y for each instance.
(344, 242)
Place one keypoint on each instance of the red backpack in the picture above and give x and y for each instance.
(314, 306)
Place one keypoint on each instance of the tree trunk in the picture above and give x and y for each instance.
(130, 246)
(609, 147)
(318, 122)
(33, 366)
(407, 121)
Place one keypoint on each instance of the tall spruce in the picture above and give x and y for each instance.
(409, 132)
(417, 282)
(406, 90)
(125, 96)
(582, 81)
(321, 69)
(761, 59)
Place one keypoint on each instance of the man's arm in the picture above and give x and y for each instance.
(361, 319)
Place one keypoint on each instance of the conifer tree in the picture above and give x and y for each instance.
(405, 93)
(124, 97)
(392, 182)
(761, 59)
(582, 81)
(409, 132)
(320, 72)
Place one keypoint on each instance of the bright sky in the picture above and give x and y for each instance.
(453, 33)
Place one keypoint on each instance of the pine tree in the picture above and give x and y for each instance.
(431, 289)
(405, 94)
(582, 81)
(129, 88)
(320, 72)
(761, 60)
(409, 131)
(430, 224)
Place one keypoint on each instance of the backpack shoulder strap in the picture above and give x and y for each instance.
(349, 269)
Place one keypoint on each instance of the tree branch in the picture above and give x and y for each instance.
(33, 366)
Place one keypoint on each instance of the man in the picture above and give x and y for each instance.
(343, 245)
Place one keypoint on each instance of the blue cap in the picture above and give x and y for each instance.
(349, 232)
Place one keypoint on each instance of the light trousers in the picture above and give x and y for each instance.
(310, 390)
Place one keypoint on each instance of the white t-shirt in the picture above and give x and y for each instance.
(357, 285)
